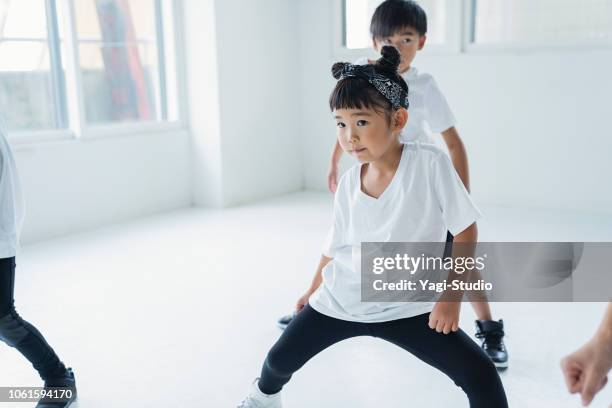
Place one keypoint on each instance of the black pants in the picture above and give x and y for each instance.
(455, 354)
(448, 248)
(20, 334)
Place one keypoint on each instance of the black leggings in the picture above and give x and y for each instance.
(455, 354)
(20, 334)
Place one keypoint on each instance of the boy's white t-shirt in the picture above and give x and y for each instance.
(423, 201)
(428, 110)
(11, 199)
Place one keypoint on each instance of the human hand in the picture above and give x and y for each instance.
(444, 317)
(303, 300)
(332, 178)
(586, 369)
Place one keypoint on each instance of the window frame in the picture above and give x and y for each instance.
(76, 126)
(56, 78)
(471, 47)
(460, 28)
(452, 43)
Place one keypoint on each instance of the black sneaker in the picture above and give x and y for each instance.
(284, 321)
(63, 391)
(491, 333)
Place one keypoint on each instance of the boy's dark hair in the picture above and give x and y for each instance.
(357, 93)
(393, 15)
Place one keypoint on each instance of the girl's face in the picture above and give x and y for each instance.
(368, 134)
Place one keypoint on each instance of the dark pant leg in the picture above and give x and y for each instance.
(455, 354)
(307, 335)
(20, 334)
(448, 247)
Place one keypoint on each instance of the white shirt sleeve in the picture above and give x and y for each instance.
(458, 209)
(438, 113)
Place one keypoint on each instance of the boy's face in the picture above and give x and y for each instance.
(367, 134)
(407, 41)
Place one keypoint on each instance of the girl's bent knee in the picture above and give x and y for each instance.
(12, 330)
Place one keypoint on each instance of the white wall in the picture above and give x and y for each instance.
(535, 124)
(199, 36)
(74, 185)
(241, 71)
(258, 82)
(244, 101)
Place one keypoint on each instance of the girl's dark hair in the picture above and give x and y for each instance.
(394, 15)
(358, 93)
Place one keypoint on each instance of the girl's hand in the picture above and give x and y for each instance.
(332, 178)
(444, 317)
(303, 301)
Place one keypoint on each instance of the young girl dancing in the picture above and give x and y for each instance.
(398, 192)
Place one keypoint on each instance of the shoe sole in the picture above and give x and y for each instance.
(501, 365)
(70, 403)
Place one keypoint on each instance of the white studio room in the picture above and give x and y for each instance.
(188, 190)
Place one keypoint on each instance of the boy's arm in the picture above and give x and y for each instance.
(458, 155)
(316, 282)
(332, 175)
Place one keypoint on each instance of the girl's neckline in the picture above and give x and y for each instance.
(390, 187)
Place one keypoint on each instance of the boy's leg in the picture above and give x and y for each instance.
(310, 333)
(20, 334)
(482, 310)
(491, 332)
(455, 354)
(480, 305)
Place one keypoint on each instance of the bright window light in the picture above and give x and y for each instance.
(358, 14)
(126, 64)
(541, 21)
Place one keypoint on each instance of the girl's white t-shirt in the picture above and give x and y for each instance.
(423, 201)
(428, 110)
(11, 199)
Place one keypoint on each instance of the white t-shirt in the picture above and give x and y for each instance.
(428, 110)
(11, 199)
(423, 201)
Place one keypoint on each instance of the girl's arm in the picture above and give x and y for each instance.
(458, 154)
(316, 282)
(444, 317)
(332, 175)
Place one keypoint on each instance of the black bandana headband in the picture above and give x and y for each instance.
(390, 89)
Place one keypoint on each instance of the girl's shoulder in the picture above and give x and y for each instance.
(428, 151)
(426, 160)
(424, 157)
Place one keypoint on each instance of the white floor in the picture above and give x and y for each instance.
(179, 311)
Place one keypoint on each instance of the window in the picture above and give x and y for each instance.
(541, 21)
(358, 13)
(119, 60)
(31, 73)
